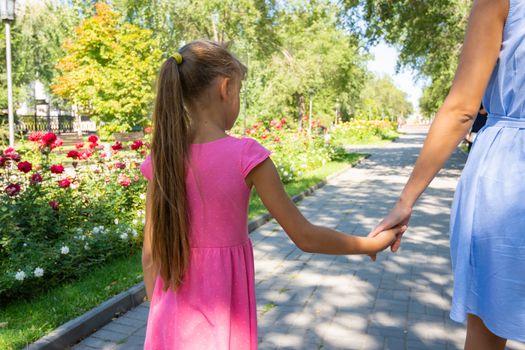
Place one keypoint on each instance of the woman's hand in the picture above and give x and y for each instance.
(386, 238)
(398, 216)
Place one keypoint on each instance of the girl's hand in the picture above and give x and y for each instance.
(385, 239)
(399, 216)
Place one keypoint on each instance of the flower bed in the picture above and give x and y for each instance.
(358, 131)
(59, 221)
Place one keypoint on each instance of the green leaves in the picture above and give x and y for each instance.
(109, 70)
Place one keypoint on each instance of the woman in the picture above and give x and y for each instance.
(488, 213)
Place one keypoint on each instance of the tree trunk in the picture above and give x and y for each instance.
(300, 109)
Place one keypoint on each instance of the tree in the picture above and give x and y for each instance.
(381, 98)
(109, 70)
(316, 57)
(37, 35)
(428, 34)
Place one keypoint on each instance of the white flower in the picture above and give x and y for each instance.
(39, 272)
(285, 173)
(116, 221)
(143, 221)
(142, 196)
(86, 246)
(96, 230)
(64, 250)
(20, 275)
(134, 222)
(124, 236)
(134, 233)
(25, 244)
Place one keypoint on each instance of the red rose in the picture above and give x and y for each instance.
(57, 143)
(93, 145)
(35, 136)
(57, 168)
(137, 144)
(120, 165)
(64, 183)
(54, 204)
(12, 189)
(49, 138)
(3, 160)
(283, 121)
(79, 145)
(15, 156)
(36, 178)
(25, 167)
(117, 146)
(93, 138)
(73, 154)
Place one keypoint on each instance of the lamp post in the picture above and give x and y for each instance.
(7, 14)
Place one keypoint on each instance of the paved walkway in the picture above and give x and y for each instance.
(307, 301)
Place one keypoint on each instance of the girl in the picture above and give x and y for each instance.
(488, 215)
(197, 256)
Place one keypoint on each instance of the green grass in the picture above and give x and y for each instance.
(29, 319)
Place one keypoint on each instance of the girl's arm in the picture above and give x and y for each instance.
(453, 120)
(308, 237)
(148, 267)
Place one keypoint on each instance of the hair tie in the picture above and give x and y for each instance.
(178, 57)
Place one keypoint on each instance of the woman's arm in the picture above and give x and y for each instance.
(478, 57)
(148, 267)
(308, 237)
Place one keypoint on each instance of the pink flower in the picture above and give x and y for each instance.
(49, 138)
(57, 168)
(35, 136)
(57, 143)
(73, 154)
(103, 155)
(93, 145)
(276, 123)
(85, 154)
(10, 153)
(277, 139)
(120, 165)
(64, 183)
(3, 160)
(137, 144)
(15, 156)
(148, 130)
(12, 189)
(93, 138)
(25, 167)
(79, 145)
(54, 204)
(265, 135)
(36, 178)
(123, 180)
(117, 146)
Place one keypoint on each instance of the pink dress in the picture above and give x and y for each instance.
(215, 306)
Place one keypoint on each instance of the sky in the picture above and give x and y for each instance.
(384, 62)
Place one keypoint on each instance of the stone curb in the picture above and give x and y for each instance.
(72, 331)
(68, 333)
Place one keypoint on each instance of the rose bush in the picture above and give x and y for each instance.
(58, 221)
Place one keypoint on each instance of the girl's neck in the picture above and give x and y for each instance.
(206, 124)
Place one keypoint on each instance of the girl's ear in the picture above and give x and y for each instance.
(224, 85)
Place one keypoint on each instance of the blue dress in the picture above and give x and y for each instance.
(488, 213)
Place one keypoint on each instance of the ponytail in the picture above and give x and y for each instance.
(170, 223)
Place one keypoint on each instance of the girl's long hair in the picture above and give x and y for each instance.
(179, 86)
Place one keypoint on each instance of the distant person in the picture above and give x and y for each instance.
(488, 214)
(479, 123)
(197, 256)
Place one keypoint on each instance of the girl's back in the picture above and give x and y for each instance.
(217, 294)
